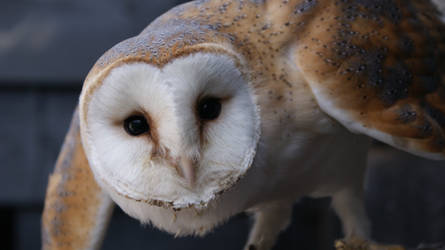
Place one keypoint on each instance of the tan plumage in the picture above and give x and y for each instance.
(76, 209)
(374, 66)
(379, 67)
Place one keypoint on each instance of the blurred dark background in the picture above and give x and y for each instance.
(47, 48)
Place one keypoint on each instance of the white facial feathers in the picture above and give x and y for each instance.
(150, 167)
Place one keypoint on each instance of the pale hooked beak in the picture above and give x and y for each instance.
(188, 170)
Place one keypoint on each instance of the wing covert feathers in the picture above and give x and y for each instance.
(76, 210)
(378, 67)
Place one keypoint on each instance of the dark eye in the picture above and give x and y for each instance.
(136, 125)
(209, 108)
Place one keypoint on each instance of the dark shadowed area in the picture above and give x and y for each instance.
(47, 48)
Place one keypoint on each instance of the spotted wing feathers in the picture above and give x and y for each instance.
(378, 67)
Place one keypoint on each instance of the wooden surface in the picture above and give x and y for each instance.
(60, 40)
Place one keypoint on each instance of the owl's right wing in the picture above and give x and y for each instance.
(76, 211)
(378, 67)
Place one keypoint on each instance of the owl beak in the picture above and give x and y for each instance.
(188, 170)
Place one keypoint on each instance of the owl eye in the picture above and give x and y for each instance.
(136, 125)
(209, 108)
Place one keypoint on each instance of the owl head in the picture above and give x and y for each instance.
(169, 137)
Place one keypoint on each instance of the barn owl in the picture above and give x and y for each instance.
(220, 107)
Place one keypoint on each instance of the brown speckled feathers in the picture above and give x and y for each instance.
(380, 66)
(374, 65)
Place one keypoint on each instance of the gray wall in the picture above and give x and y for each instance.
(47, 48)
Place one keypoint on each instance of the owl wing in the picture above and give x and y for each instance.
(76, 210)
(378, 67)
